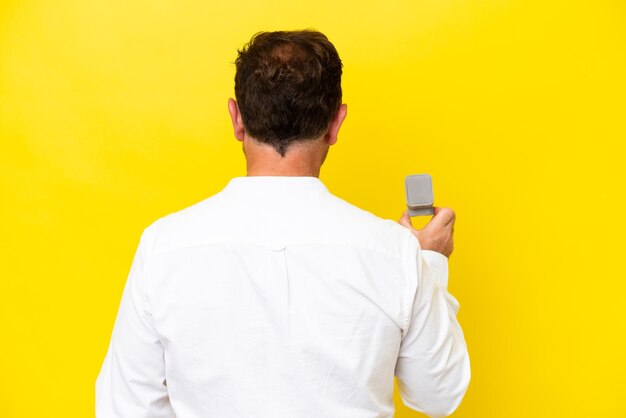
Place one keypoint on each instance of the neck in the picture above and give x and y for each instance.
(301, 159)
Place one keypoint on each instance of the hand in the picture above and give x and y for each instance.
(437, 234)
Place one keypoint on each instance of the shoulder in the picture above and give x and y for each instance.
(178, 225)
(369, 229)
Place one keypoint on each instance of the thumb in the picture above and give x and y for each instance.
(405, 220)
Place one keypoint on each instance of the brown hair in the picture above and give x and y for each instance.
(288, 86)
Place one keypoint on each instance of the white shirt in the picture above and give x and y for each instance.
(275, 298)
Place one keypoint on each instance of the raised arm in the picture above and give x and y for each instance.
(433, 367)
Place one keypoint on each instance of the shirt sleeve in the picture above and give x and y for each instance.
(131, 382)
(433, 367)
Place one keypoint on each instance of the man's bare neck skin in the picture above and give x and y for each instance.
(303, 158)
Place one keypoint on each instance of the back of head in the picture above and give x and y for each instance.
(288, 86)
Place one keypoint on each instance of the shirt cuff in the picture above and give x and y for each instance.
(438, 265)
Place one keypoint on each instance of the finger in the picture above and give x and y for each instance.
(405, 220)
(443, 217)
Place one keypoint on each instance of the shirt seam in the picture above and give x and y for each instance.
(397, 257)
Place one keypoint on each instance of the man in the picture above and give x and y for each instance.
(275, 298)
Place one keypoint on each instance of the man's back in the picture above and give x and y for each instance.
(275, 298)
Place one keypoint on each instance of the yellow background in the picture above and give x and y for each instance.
(113, 114)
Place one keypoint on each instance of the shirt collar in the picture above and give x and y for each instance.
(283, 184)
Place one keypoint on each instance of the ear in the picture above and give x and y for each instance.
(335, 124)
(235, 116)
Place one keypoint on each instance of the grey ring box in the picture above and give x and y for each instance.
(419, 194)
